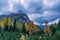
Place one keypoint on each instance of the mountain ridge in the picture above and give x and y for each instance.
(19, 16)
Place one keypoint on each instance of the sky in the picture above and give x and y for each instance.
(38, 11)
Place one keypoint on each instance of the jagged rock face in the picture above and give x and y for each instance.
(20, 17)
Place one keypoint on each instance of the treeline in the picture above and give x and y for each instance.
(52, 29)
(55, 27)
(8, 24)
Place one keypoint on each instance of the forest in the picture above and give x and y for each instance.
(13, 30)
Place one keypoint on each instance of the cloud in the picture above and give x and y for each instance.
(3, 3)
(50, 11)
(52, 7)
(35, 7)
(50, 3)
(51, 15)
(6, 5)
(38, 11)
(34, 16)
(46, 16)
(11, 6)
(0, 12)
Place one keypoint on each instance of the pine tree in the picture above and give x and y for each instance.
(10, 28)
(23, 29)
(6, 27)
(52, 29)
(58, 26)
(14, 25)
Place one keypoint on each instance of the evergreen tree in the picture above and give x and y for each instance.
(9, 23)
(52, 29)
(51, 26)
(23, 29)
(10, 28)
(58, 26)
(14, 25)
(0, 29)
(6, 27)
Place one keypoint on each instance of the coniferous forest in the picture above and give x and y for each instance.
(19, 30)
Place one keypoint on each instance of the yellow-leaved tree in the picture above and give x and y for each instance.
(4, 22)
(34, 27)
(19, 25)
(9, 21)
(27, 26)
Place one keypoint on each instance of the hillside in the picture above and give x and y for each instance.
(20, 17)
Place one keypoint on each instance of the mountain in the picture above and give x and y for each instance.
(53, 22)
(40, 26)
(20, 17)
